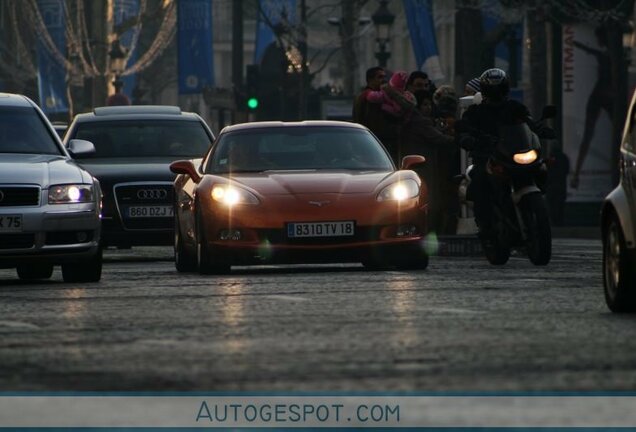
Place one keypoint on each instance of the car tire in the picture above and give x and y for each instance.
(35, 271)
(84, 271)
(183, 260)
(619, 274)
(206, 263)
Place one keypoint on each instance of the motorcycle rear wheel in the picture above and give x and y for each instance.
(538, 231)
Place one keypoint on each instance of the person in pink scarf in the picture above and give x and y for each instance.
(396, 101)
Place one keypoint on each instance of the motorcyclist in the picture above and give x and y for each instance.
(478, 132)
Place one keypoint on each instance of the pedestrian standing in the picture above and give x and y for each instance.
(420, 136)
(119, 97)
(371, 114)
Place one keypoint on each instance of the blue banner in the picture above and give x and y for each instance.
(194, 33)
(125, 10)
(274, 11)
(51, 72)
(419, 19)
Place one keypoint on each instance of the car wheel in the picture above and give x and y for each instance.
(84, 271)
(619, 276)
(183, 260)
(207, 263)
(35, 271)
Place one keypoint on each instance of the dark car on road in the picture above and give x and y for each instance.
(619, 227)
(134, 148)
(49, 206)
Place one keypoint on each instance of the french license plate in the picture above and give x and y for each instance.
(321, 229)
(150, 211)
(10, 223)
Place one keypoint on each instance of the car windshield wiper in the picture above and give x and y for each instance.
(239, 171)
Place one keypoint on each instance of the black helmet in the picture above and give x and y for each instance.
(494, 84)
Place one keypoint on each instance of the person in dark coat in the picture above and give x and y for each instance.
(371, 114)
(421, 137)
(558, 170)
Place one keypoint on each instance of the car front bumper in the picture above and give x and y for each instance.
(51, 233)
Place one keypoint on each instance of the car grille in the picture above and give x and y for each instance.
(68, 237)
(144, 195)
(17, 241)
(19, 196)
(280, 237)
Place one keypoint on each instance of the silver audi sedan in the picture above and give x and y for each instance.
(49, 206)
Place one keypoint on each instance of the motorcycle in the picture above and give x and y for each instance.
(518, 175)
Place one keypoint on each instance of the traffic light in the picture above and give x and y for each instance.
(251, 87)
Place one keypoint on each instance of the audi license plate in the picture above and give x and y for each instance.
(150, 211)
(321, 229)
(10, 223)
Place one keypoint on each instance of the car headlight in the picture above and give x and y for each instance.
(71, 193)
(525, 158)
(400, 191)
(231, 195)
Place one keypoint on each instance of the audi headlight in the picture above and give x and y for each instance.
(230, 195)
(525, 158)
(70, 194)
(400, 191)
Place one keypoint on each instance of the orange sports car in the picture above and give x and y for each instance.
(307, 192)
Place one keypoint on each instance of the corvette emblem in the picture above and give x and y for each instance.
(319, 203)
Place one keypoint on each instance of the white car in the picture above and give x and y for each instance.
(618, 221)
(49, 206)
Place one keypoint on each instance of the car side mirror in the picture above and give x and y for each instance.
(411, 161)
(80, 147)
(185, 167)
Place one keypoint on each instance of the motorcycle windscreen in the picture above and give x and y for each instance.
(517, 138)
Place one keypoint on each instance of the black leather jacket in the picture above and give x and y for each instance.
(480, 126)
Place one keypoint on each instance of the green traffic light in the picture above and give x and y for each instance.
(252, 103)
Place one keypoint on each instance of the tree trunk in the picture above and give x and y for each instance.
(350, 59)
(537, 96)
(469, 34)
(97, 13)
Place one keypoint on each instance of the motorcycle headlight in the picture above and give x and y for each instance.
(71, 194)
(525, 158)
(400, 191)
(231, 195)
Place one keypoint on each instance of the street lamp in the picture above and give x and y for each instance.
(383, 20)
(117, 57)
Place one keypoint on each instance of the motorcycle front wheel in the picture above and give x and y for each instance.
(539, 234)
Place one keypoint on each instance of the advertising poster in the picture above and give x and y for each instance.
(587, 104)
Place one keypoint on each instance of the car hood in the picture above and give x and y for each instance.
(43, 170)
(116, 170)
(296, 183)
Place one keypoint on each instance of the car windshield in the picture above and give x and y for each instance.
(298, 148)
(22, 130)
(145, 138)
